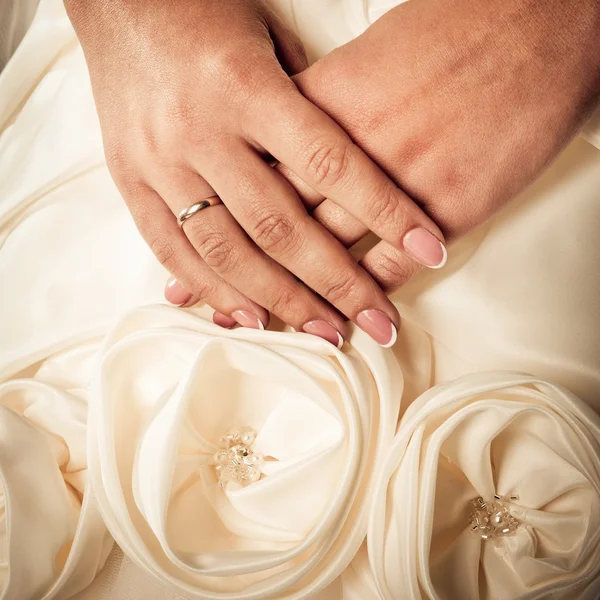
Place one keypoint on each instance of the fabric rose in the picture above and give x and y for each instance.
(491, 490)
(53, 541)
(237, 464)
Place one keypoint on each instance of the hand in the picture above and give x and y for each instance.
(462, 102)
(191, 96)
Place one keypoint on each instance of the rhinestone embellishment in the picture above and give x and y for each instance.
(236, 461)
(491, 520)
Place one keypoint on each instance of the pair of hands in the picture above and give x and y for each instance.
(461, 102)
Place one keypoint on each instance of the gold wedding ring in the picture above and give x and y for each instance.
(190, 211)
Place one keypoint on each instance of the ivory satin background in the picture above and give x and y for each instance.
(521, 294)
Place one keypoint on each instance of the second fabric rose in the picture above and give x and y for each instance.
(526, 447)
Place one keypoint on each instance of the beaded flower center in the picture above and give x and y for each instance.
(491, 520)
(236, 461)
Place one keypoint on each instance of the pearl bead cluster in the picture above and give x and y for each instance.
(491, 520)
(236, 462)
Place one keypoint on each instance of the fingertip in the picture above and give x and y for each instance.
(175, 293)
(324, 330)
(341, 324)
(379, 326)
(426, 248)
(389, 267)
(223, 320)
(249, 319)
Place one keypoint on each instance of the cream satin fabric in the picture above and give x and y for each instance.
(161, 384)
(155, 427)
(53, 540)
(487, 434)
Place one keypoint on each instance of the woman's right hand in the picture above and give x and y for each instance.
(192, 97)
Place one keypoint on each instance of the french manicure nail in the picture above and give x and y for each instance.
(175, 293)
(247, 319)
(425, 248)
(378, 326)
(326, 331)
(223, 320)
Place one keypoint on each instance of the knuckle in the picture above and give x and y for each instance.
(327, 161)
(232, 74)
(203, 290)
(215, 250)
(184, 129)
(382, 207)
(392, 270)
(283, 302)
(275, 233)
(339, 287)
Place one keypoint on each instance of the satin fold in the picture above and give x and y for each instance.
(79, 324)
(529, 442)
(52, 538)
(170, 385)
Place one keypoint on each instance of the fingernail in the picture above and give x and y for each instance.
(175, 293)
(425, 248)
(378, 326)
(223, 320)
(247, 319)
(326, 331)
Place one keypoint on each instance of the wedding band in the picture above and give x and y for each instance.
(186, 213)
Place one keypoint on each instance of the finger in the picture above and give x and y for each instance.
(176, 294)
(346, 228)
(310, 197)
(389, 267)
(158, 227)
(267, 207)
(227, 250)
(316, 149)
(341, 224)
(223, 320)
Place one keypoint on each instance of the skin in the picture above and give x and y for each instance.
(187, 112)
(462, 102)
